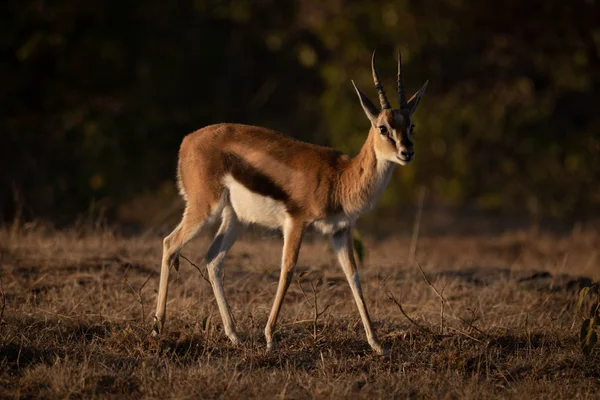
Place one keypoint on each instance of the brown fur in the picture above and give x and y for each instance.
(313, 181)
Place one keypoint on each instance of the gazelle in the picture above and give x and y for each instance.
(247, 174)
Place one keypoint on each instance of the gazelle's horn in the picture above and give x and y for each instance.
(382, 99)
(401, 93)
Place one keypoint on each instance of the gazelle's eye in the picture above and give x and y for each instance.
(412, 129)
(383, 129)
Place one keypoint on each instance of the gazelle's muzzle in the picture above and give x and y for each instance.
(405, 154)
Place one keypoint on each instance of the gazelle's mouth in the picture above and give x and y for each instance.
(405, 160)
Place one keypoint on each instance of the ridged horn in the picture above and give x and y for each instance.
(401, 93)
(385, 104)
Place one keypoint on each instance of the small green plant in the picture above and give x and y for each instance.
(588, 337)
(359, 246)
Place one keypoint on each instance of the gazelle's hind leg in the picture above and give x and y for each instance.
(194, 218)
(225, 238)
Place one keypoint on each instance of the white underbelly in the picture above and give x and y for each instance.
(254, 208)
(333, 223)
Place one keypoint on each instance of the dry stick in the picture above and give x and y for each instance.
(140, 294)
(2, 302)
(303, 321)
(471, 323)
(442, 298)
(392, 298)
(465, 334)
(308, 302)
(140, 299)
(315, 310)
(413, 251)
(441, 317)
(56, 314)
(251, 340)
(316, 314)
(427, 330)
(314, 305)
(417, 226)
(195, 266)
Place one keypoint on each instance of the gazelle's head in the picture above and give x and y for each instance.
(393, 128)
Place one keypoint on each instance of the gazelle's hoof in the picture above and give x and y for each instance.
(156, 328)
(382, 351)
(272, 345)
(235, 339)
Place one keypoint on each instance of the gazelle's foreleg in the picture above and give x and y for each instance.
(190, 226)
(342, 246)
(292, 239)
(225, 238)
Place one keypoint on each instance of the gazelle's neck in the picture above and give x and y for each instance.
(364, 179)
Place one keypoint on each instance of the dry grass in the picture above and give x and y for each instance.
(79, 310)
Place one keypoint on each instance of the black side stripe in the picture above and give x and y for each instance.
(257, 182)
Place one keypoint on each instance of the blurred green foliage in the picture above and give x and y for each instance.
(97, 95)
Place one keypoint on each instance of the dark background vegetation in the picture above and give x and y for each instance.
(97, 95)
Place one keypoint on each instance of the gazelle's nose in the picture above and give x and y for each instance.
(407, 153)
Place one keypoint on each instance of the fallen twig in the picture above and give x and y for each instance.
(2, 302)
(443, 301)
(314, 305)
(471, 324)
(442, 298)
(422, 328)
(56, 314)
(195, 266)
(441, 317)
(140, 298)
(465, 334)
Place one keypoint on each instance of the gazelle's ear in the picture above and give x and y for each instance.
(416, 98)
(369, 108)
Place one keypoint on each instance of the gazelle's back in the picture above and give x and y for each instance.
(246, 140)
(268, 175)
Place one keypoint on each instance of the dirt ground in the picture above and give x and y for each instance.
(79, 306)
